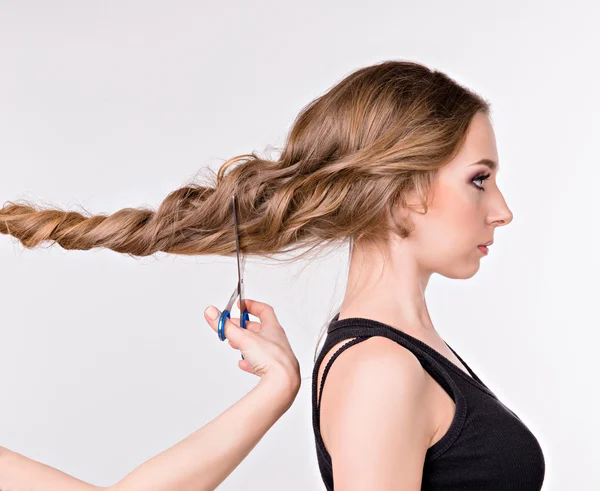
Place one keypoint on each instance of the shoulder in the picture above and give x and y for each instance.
(376, 370)
(374, 356)
(376, 364)
(375, 407)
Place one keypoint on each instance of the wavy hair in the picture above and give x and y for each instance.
(349, 160)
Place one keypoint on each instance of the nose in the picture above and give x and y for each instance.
(501, 214)
(506, 219)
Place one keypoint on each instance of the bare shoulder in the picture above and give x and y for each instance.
(382, 346)
(380, 364)
(374, 419)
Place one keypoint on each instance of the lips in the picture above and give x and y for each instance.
(487, 243)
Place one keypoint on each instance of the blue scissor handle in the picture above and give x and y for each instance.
(224, 315)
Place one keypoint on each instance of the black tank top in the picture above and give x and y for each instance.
(487, 446)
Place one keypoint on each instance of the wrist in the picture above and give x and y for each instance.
(282, 386)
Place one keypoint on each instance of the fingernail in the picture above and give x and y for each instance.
(212, 312)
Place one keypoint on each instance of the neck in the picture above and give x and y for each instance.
(390, 290)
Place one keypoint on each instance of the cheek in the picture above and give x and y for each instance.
(451, 219)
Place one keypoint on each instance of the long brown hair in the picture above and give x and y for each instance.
(348, 161)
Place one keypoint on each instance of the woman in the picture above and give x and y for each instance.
(400, 162)
(401, 410)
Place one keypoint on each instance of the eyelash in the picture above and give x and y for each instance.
(480, 177)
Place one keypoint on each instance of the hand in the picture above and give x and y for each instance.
(265, 346)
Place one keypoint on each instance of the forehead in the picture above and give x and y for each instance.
(480, 143)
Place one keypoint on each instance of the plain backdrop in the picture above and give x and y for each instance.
(106, 360)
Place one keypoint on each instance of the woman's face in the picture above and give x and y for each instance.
(465, 208)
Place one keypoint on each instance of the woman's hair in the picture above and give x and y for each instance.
(349, 159)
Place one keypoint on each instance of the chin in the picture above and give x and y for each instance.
(466, 271)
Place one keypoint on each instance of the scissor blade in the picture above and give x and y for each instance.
(234, 295)
(241, 262)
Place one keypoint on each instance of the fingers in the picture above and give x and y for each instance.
(250, 325)
(231, 328)
(262, 310)
(244, 365)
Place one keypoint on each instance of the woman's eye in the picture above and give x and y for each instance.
(481, 177)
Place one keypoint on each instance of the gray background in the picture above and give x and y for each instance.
(106, 360)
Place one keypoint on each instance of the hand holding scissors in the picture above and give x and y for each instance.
(265, 347)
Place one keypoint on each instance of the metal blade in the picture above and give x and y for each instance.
(241, 262)
(234, 295)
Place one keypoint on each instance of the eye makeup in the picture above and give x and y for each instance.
(480, 177)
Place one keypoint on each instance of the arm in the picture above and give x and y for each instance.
(18, 472)
(374, 418)
(204, 459)
(199, 462)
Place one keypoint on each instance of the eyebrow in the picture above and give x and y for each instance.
(492, 164)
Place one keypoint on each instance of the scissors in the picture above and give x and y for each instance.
(239, 289)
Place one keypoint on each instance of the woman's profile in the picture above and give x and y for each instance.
(394, 406)
(398, 161)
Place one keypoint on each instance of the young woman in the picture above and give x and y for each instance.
(401, 410)
(399, 162)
